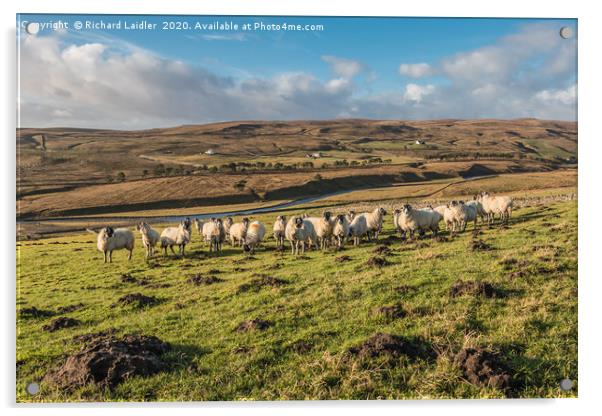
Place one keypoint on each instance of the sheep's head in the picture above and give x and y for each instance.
(382, 211)
(229, 221)
(298, 222)
(245, 221)
(351, 214)
(281, 218)
(186, 223)
(397, 211)
(327, 215)
(108, 232)
(219, 221)
(406, 209)
(341, 219)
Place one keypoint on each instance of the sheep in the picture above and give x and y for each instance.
(457, 214)
(238, 232)
(150, 238)
(215, 235)
(199, 225)
(110, 239)
(410, 219)
(350, 216)
(207, 229)
(340, 231)
(176, 236)
(227, 224)
(279, 230)
(473, 210)
(493, 205)
(297, 232)
(366, 223)
(254, 236)
(323, 226)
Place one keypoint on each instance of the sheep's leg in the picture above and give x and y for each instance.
(111, 256)
(130, 255)
(105, 255)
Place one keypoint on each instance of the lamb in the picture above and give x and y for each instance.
(254, 236)
(238, 232)
(215, 235)
(366, 223)
(150, 238)
(176, 236)
(493, 205)
(298, 232)
(323, 226)
(110, 239)
(411, 220)
(340, 231)
(279, 230)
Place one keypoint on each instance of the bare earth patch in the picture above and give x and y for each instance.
(137, 300)
(392, 346)
(108, 361)
(483, 368)
(198, 280)
(60, 323)
(253, 325)
(469, 287)
(260, 281)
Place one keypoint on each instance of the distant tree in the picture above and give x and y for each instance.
(213, 169)
(240, 185)
(145, 173)
(168, 171)
(318, 177)
(120, 177)
(110, 179)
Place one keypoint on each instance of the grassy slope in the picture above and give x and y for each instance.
(326, 304)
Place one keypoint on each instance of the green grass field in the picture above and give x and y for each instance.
(322, 308)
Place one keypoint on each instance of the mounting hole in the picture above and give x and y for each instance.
(566, 32)
(32, 388)
(32, 28)
(566, 384)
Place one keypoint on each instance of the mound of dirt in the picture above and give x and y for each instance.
(198, 280)
(214, 271)
(377, 261)
(70, 308)
(108, 361)
(382, 250)
(392, 346)
(128, 278)
(33, 312)
(389, 312)
(94, 336)
(60, 323)
(137, 300)
(342, 259)
(469, 287)
(483, 368)
(479, 245)
(403, 289)
(260, 281)
(253, 325)
(441, 239)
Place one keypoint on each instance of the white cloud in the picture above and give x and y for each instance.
(567, 96)
(416, 93)
(415, 70)
(343, 67)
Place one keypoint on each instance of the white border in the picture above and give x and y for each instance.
(590, 152)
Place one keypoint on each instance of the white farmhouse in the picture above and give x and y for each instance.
(210, 152)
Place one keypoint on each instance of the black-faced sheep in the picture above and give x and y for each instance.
(110, 239)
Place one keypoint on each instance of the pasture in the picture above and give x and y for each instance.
(277, 327)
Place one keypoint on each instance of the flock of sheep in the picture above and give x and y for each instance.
(304, 231)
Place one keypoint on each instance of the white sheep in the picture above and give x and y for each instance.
(216, 234)
(493, 205)
(298, 232)
(227, 224)
(238, 232)
(207, 229)
(323, 227)
(176, 236)
(366, 223)
(254, 237)
(110, 239)
(278, 230)
(457, 213)
(340, 231)
(150, 238)
(409, 220)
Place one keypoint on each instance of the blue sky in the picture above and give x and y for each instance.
(402, 68)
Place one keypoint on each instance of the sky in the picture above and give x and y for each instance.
(183, 71)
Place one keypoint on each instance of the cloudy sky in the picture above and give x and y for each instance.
(380, 68)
